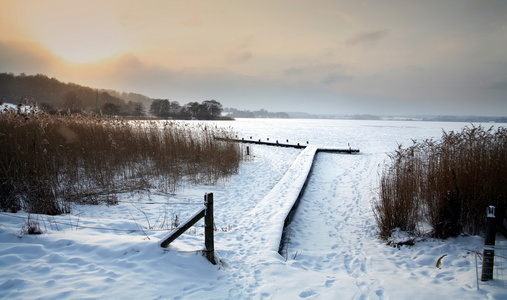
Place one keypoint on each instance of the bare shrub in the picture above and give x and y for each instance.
(447, 184)
(47, 161)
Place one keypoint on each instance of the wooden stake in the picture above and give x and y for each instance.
(209, 241)
(489, 240)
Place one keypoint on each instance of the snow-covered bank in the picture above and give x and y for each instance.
(334, 252)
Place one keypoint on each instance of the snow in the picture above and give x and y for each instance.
(333, 253)
(25, 109)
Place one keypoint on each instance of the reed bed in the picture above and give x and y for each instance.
(446, 184)
(49, 161)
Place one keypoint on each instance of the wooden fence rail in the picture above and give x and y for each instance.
(207, 213)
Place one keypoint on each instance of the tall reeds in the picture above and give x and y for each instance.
(446, 184)
(47, 161)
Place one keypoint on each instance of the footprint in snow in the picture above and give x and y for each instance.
(307, 293)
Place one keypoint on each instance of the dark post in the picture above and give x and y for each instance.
(489, 243)
(97, 104)
(247, 150)
(209, 242)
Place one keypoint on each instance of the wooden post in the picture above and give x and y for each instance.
(247, 150)
(209, 242)
(489, 243)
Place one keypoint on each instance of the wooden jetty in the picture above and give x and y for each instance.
(297, 146)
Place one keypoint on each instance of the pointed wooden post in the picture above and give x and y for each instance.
(209, 242)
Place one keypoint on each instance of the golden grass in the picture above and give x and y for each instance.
(47, 161)
(447, 184)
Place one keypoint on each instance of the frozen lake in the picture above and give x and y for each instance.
(368, 136)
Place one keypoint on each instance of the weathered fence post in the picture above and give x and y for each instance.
(489, 243)
(209, 243)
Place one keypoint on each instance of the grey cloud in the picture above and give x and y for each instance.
(499, 85)
(292, 71)
(239, 57)
(129, 63)
(25, 57)
(240, 52)
(367, 38)
(335, 77)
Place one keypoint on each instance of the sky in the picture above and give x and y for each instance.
(445, 57)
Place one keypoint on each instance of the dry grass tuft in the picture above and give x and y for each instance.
(447, 184)
(48, 161)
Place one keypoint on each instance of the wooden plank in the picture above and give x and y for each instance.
(182, 228)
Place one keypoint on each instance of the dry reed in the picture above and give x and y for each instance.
(49, 161)
(446, 184)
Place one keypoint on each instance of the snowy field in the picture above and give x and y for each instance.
(113, 252)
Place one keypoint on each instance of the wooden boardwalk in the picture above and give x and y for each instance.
(297, 146)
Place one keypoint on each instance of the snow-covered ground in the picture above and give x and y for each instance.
(25, 109)
(334, 253)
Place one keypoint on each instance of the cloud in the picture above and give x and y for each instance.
(499, 85)
(25, 57)
(293, 71)
(316, 74)
(367, 38)
(128, 63)
(239, 57)
(335, 77)
(240, 52)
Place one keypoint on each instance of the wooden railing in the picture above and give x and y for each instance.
(207, 213)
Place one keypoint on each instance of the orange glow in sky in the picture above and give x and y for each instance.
(442, 57)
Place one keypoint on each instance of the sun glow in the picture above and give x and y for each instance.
(77, 32)
(82, 51)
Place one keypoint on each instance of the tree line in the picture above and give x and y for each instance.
(53, 95)
(262, 113)
(207, 110)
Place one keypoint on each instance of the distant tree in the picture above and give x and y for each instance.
(262, 113)
(133, 109)
(155, 107)
(194, 109)
(207, 110)
(138, 109)
(72, 102)
(174, 109)
(110, 109)
(160, 108)
(213, 108)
